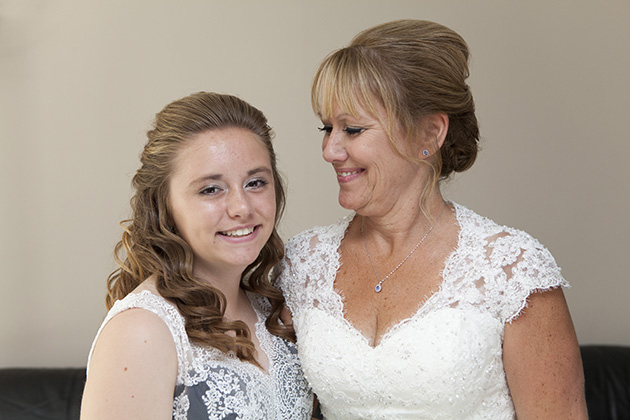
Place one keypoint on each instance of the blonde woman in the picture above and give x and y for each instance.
(414, 307)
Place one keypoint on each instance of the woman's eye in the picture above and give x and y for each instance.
(209, 190)
(256, 183)
(352, 131)
(326, 129)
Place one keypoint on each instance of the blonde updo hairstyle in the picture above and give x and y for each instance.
(412, 68)
(151, 245)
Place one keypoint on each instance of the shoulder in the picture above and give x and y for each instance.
(151, 302)
(134, 363)
(138, 312)
(317, 238)
(135, 331)
(513, 263)
(503, 245)
(310, 263)
(138, 319)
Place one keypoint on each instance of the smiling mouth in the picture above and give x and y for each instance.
(344, 174)
(238, 233)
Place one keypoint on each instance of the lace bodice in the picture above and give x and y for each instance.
(214, 385)
(445, 362)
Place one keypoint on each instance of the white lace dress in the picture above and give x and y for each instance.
(214, 385)
(445, 362)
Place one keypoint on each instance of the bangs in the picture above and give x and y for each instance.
(348, 81)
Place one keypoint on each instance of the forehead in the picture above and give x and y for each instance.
(348, 80)
(356, 112)
(220, 151)
(335, 100)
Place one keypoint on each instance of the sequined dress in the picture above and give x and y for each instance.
(213, 385)
(444, 362)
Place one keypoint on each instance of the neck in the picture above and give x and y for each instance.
(402, 225)
(226, 281)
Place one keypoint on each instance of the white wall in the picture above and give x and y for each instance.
(81, 80)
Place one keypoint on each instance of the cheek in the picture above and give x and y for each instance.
(266, 204)
(178, 219)
(191, 217)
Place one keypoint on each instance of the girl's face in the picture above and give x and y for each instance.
(222, 199)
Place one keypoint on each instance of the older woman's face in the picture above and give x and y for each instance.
(373, 179)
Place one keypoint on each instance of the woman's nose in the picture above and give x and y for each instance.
(238, 204)
(333, 149)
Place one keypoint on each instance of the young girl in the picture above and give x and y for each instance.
(193, 329)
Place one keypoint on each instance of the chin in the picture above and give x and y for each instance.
(348, 204)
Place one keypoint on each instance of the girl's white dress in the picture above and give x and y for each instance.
(213, 385)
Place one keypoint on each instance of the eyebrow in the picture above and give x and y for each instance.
(218, 177)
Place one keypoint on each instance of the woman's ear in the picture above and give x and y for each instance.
(436, 127)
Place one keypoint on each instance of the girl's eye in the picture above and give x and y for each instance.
(326, 129)
(256, 183)
(209, 190)
(353, 131)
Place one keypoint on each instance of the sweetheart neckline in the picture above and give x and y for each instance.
(424, 304)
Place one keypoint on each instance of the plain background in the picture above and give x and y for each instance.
(80, 82)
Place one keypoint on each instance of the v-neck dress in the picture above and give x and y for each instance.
(444, 362)
(214, 385)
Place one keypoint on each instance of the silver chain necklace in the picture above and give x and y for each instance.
(379, 287)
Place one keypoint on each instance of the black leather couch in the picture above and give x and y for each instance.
(41, 394)
(55, 394)
(607, 381)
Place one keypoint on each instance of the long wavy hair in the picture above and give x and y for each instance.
(150, 244)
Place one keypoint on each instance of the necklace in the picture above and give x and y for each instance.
(379, 287)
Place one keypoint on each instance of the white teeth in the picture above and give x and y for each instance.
(347, 173)
(238, 232)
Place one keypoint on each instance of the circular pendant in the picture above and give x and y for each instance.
(377, 289)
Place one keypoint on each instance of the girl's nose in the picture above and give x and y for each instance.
(238, 204)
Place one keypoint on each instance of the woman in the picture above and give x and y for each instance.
(414, 307)
(191, 310)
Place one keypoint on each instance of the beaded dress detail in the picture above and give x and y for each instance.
(214, 385)
(445, 361)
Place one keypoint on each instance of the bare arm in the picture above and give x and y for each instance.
(542, 361)
(132, 370)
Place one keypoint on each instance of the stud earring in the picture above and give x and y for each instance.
(425, 152)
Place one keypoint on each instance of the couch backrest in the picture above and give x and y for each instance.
(41, 394)
(607, 381)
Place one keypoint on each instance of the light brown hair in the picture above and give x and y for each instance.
(150, 244)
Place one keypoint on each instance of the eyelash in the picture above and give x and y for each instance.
(206, 190)
(351, 131)
(254, 184)
(260, 183)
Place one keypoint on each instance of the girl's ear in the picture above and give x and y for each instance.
(436, 127)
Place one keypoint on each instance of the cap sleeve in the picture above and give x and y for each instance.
(529, 267)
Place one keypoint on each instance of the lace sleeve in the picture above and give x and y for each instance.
(294, 270)
(528, 266)
(310, 266)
